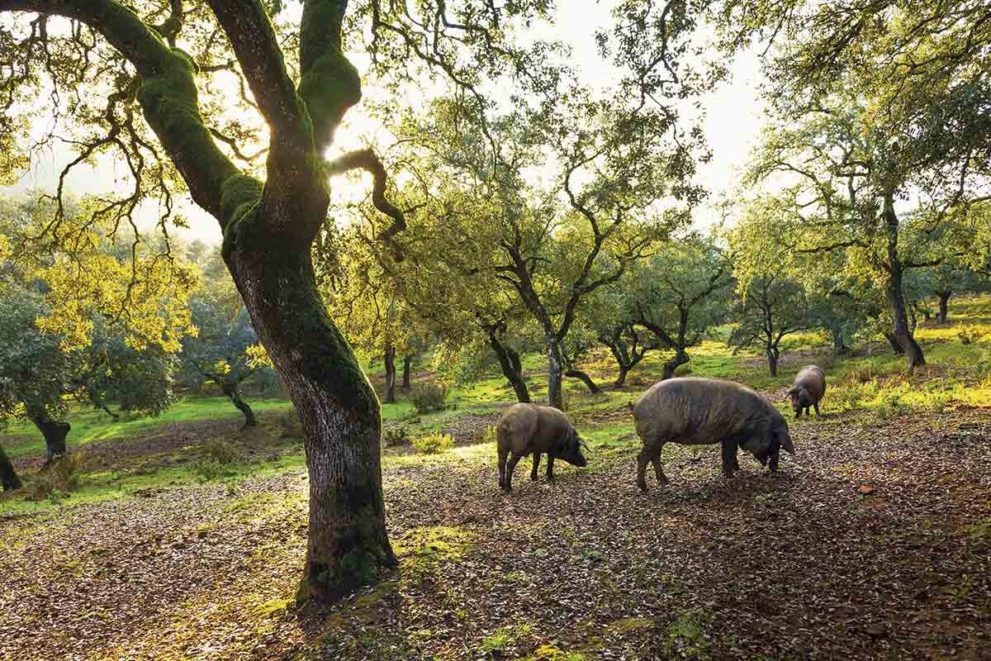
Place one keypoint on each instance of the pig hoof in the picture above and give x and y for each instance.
(533, 478)
(643, 485)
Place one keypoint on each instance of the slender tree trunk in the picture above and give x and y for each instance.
(339, 413)
(8, 476)
(944, 306)
(555, 373)
(54, 432)
(839, 342)
(390, 374)
(896, 295)
(679, 359)
(901, 330)
(584, 378)
(407, 369)
(233, 392)
(512, 368)
(773, 355)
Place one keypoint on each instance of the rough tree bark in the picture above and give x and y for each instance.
(8, 476)
(390, 373)
(337, 408)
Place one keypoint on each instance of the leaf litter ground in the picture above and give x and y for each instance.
(873, 542)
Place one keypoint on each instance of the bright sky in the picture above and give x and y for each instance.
(732, 125)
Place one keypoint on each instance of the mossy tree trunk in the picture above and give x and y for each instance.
(269, 229)
(8, 476)
(338, 411)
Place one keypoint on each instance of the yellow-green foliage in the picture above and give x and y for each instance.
(433, 443)
(971, 334)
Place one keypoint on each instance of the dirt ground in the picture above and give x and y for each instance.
(874, 541)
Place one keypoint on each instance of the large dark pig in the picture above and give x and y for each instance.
(532, 429)
(693, 411)
(807, 390)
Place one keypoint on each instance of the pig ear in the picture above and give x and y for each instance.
(581, 442)
(786, 443)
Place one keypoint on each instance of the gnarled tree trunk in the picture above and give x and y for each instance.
(944, 305)
(54, 432)
(337, 407)
(679, 359)
(510, 364)
(8, 476)
(584, 378)
(233, 393)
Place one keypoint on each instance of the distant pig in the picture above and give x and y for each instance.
(532, 429)
(807, 390)
(694, 411)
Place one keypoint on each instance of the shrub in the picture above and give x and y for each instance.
(220, 458)
(890, 404)
(683, 370)
(427, 397)
(289, 423)
(395, 436)
(969, 334)
(489, 435)
(59, 477)
(433, 443)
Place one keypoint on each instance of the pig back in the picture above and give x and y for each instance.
(530, 427)
(695, 411)
(813, 380)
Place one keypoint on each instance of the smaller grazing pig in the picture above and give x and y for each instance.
(693, 411)
(807, 390)
(532, 429)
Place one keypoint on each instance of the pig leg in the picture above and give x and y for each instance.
(536, 463)
(550, 468)
(502, 468)
(773, 460)
(510, 467)
(642, 460)
(730, 463)
(658, 471)
(816, 405)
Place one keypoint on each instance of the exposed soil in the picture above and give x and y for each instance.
(874, 541)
